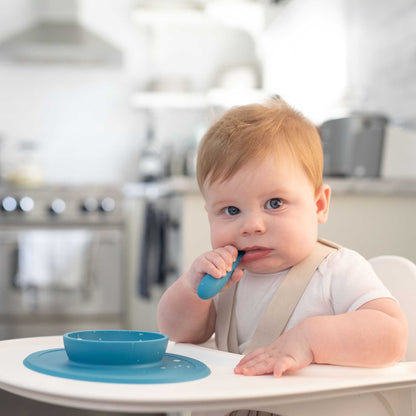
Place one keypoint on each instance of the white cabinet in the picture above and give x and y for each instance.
(373, 225)
(195, 229)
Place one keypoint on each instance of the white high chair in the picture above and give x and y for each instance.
(399, 276)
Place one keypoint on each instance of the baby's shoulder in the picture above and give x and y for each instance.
(344, 260)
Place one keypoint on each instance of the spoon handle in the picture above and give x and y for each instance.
(209, 286)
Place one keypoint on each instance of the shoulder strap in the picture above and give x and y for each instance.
(225, 326)
(287, 296)
(280, 308)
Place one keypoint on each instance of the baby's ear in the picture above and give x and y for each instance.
(323, 195)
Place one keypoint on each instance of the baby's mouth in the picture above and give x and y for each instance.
(255, 253)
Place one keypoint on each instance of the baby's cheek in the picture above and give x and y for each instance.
(220, 237)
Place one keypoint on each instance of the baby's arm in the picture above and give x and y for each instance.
(181, 313)
(375, 335)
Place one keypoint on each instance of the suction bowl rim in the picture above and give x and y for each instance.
(72, 336)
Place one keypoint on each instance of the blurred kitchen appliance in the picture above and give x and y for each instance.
(57, 36)
(61, 256)
(353, 145)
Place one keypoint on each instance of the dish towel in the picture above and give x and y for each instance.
(152, 267)
(53, 259)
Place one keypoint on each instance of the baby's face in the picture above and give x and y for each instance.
(270, 210)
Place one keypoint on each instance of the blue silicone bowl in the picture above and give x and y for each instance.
(115, 347)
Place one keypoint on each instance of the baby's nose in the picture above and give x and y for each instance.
(253, 224)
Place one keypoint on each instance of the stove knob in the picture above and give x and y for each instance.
(26, 204)
(57, 207)
(89, 205)
(9, 204)
(107, 204)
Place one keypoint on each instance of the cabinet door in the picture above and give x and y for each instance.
(195, 229)
(373, 225)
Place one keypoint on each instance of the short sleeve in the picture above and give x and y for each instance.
(352, 282)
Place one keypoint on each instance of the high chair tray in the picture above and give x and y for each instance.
(222, 389)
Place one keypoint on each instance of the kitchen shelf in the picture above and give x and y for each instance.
(154, 17)
(171, 100)
(229, 97)
(215, 97)
(242, 14)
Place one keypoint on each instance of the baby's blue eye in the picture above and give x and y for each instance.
(231, 210)
(274, 203)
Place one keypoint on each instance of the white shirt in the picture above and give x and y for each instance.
(343, 282)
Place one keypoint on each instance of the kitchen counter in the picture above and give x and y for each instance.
(340, 186)
(372, 186)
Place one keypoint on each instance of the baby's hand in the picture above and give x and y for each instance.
(289, 352)
(216, 263)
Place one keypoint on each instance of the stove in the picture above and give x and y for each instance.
(62, 251)
(61, 205)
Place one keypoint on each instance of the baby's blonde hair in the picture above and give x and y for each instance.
(254, 132)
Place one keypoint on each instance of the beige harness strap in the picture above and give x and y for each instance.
(223, 325)
(280, 308)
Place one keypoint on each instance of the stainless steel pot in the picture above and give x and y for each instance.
(353, 145)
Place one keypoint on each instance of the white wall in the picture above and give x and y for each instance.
(327, 55)
(78, 115)
(382, 57)
(304, 54)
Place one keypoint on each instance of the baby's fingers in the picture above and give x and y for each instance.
(260, 365)
(286, 363)
(255, 363)
(215, 263)
(260, 362)
(251, 356)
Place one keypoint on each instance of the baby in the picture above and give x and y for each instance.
(260, 172)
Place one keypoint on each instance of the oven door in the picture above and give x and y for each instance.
(60, 272)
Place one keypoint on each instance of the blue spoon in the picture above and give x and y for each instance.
(209, 286)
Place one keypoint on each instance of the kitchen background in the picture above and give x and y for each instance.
(102, 105)
(325, 57)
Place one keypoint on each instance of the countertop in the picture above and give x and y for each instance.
(340, 186)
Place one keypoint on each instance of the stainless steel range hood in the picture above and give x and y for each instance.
(57, 37)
